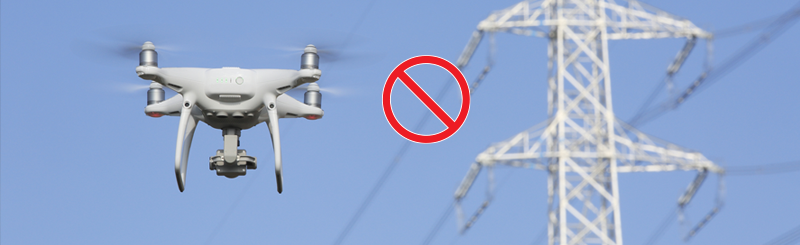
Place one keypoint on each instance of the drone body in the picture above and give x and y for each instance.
(230, 99)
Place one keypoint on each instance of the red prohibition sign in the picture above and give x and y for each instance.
(399, 72)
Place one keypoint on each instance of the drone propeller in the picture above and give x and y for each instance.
(115, 52)
(123, 43)
(333, 46)
(335, 91)
(131, 88)
(327, 53)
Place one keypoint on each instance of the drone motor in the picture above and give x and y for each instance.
(310, 59)
(312, 96)
(148, 56)
(155, 95)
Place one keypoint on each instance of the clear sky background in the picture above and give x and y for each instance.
(82, 164)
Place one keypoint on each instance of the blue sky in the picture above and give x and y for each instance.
(80, 163)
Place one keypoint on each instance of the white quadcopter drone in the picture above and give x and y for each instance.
(230, 99)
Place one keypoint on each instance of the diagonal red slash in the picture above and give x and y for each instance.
(426, 99)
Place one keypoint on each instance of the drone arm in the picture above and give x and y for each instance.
(272, 122)
(169, 107)
(149, 72)
(307, 75)
(179, 79)
(186, 129)
(289, 107)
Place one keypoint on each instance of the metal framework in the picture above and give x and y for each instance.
(583, 145)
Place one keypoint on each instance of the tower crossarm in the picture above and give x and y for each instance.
(633, 20)
(639, 152)
(635, 152)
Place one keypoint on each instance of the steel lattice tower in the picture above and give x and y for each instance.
(583, 145)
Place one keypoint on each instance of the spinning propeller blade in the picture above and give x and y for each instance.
(326, 53)
(335, 91)
(131, 88)
(332, 47)
(123, 43)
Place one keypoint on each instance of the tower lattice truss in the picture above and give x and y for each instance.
(583, 145)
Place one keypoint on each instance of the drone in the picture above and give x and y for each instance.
(230, 99)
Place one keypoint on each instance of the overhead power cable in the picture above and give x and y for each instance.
(231, 209)
(774, 30)
(541, 237)
(449, 210)
(462, 62)
(250, 183)
(387, 172)
(790, 237)
(774, 168)
(771, 32)
(662, 227)
(439, 223)
(745, 28)
(667, 81)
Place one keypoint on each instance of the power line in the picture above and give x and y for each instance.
(407, 144)
(449, 210)
(358, 24)
(745, 28)
(662, 227)
(439, 223)
(540, 238)
(671, 71)
(231, 209)
(772, 32)
(774, 168)
(387, 172)
(375, 188)
(389, 169)
(775, 29)
(790, 237)
(250, 183)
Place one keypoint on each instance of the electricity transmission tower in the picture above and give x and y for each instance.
(582, 145)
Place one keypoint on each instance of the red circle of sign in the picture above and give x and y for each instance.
(399, 72)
